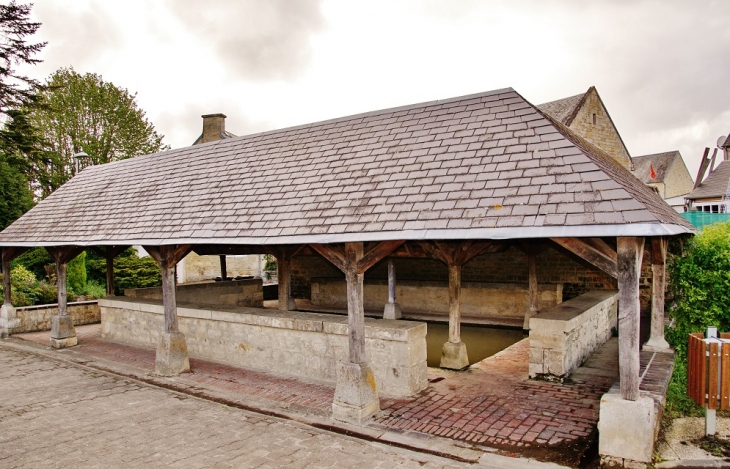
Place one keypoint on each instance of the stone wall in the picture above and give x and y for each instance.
(554, 265)
(678, 180)
(562, 337)
(195, 268)
(230, 293)
(39, 318)
(300, 344)
(478, 299)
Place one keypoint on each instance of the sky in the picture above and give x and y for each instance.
(662, 67)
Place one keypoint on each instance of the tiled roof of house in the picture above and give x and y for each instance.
(564, 110)
(485, 166)
(714, 185)
(659, 162)
(223, 135)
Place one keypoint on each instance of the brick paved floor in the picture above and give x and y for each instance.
(56, 414)
(495, 404)
(492, 404)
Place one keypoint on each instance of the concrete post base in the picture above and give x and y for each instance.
(356, 394)
(528, 315)
(454, 357)
(392, 311)
(8, 320)
(62, 327)
(64, 343)
(627, 428)
(172, 354)
(657, 344)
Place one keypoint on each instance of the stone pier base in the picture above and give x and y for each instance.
(656, 344)
(172, 354)
(627, 429)
(392, 311)
(454, 357)
(63, 333)
(356, 394)
(8, 320)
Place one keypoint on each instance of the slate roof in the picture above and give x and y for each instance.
(661, 162)
(485, 166)
(714, 185)
(564, 110)
(223, 135)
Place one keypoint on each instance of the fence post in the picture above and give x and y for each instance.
(712, 389)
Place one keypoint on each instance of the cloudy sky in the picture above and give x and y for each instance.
(662, 67)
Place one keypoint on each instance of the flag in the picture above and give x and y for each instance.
(652, 173)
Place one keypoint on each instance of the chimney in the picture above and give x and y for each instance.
(214, 128)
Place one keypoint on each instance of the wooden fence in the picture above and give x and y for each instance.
(708, 371)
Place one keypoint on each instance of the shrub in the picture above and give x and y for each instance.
(34, 260)
(76, 273)
(135, 272)
(700, 284)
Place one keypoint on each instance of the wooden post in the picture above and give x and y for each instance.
(283, 275)
(630, 252)
(355, 308)
(63, 333)
(392, 308)
(169, 300)
(656, 342)
(7, 298)
(62, 286)
(454, 303)
(109, 275)
(224, 269)
(533, 289)
(171, 357)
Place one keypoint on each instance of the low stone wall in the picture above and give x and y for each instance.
(229, 293)
(300, 344)
(480, 299)
(39, 317)
(562, 337)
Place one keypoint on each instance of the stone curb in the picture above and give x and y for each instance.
(693, 464)
(409, 440)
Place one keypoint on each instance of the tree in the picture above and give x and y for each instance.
(86, 113)
(15, 197)
(16, 90)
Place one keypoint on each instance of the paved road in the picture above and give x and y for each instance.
(54, 414)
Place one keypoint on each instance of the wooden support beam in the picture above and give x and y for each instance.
(589, 253)
(454, 303)
(532, 282)
(657, 342)
(376, 254)
(354, 252)
(332, 253)
(224, 268)
(630, 252)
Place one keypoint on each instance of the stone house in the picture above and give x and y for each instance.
(196, 268)
(710, 195)
(586, 115)
(667, 173)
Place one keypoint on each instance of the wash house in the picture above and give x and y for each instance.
(480, 204)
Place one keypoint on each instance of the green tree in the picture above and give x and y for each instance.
(84, 113)
(16, 90)
(15, 196)
(76, 273)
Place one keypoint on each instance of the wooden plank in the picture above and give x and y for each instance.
(332, 253)
(167, 265)
(376, 254)
(725, 378)
(589, 254)
(630, 252)
(703, 167)
(702, 372)
(601, 246)
(713, 376)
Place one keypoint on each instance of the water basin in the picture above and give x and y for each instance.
(481, 341)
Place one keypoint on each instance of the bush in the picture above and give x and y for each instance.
(700, 284)
(93, 291)
(135, 272)
(34, 260)
(76, 273)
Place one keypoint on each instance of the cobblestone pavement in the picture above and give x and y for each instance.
(56, 414)
(493, 404)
